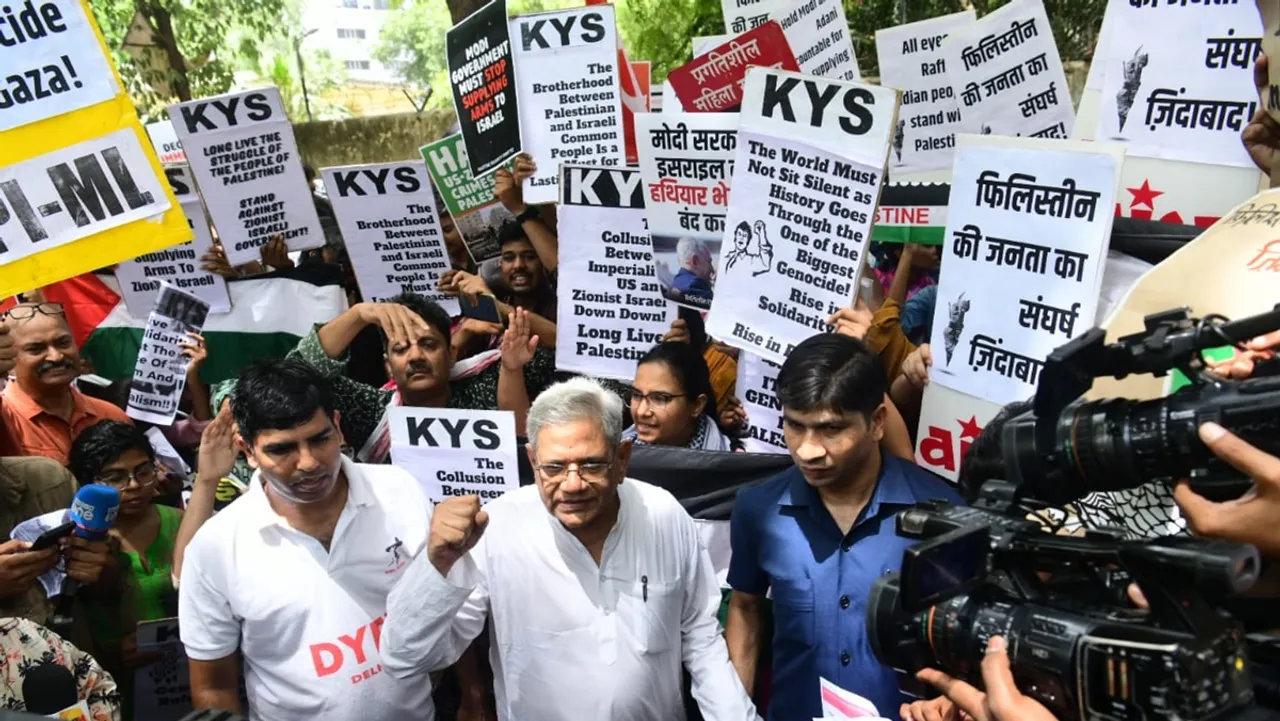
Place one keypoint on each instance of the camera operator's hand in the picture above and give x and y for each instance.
(1250, 518)
(938, 709)
(1240, 366)
(1002, 700)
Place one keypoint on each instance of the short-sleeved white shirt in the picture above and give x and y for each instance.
(308, 621)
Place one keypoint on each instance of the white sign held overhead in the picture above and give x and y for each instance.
(950, 422)
(911, 60)
(243, 154)
(390, 228)
(161, 372)
(456, 453)
(818, 33)
(165, 140)
(569, 98)
(743, 15)
(758, 391)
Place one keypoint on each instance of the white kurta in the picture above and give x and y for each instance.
(573, 640)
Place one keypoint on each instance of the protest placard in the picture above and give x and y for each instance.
(180, 265)
(610, 307)
(1269, 14)
(702, 44)
(161, 371)
(811, 159)
(165, 140)
(455, 452)
(1007, 75)
(818, 33)
(475, 211)
(1028, 229)
(743, 15)
(713, 83)
(1182, 88)
(950, 421)
(82, 186)
(162, 689)
(911, 60)
(483, 79)
(389, 225)
(242, 152)
(758, 391)
(570, 103)
(686, 160)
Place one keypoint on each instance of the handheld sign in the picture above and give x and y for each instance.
(950, 422)
(180, 265)
(482, 77)
(810, 163)
(758, 390)
(389, 225)
(743, 15)
(818, 33)
(570, 100)
(165, 140)
(456, 453)
(161, 372)
(475, 211)
(246, 162)
(712, 83)
(610, 308)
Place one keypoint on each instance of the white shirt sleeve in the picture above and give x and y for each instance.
(432, 620)
(716, 685)
(209, 629)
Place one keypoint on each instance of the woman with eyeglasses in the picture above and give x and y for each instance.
(119, 455)
(672, 402)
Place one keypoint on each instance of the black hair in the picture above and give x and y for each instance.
(832, 372)
(278, 394)
(102, 443)
(697, 328)
(428, 310)
(744, 225)
(510, 232)
(309, 171)
(686, 363)
(985, 458)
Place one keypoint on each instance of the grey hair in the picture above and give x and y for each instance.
(577, 399)
(688, 248)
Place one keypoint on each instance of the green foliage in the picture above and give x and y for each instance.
(662, 31)
(183, 47)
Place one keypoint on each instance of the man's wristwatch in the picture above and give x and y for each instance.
(531, 212)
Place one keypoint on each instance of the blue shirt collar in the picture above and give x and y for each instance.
(892, 489)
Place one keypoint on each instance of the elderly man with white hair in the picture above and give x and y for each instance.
(693, 279)
(595, 584)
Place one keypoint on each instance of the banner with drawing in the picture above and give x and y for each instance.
(456, 453)
(686, 160)
(1028, 229)
(161, 371)
(806, 180)
(610, 307)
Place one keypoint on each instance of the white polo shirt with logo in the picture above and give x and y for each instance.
(308, 621)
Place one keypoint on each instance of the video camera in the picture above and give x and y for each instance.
(1075, 644)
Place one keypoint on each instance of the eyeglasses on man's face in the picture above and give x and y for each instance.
(27, 312)
(590, 472)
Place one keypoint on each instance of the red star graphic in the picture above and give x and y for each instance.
(970, 428)
(1144, 196)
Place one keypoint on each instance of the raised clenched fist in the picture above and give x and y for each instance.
(456, 527)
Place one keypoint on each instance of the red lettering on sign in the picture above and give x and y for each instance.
(1268, 259)
(945, 449)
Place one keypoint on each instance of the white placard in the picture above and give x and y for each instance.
(686, 160)
(950, 421)
(456, 453)
(806, 180)
(388, 220)
(758, 391)
(161, 371)
(180, 265)
(165, 140)
(52, 62)
(1007, 75)
(569, 98)
(75, 192)
(743, 15)
(912, 61)
(1028, 229)
(1181, 87)
(162, 689)
(610, 308)
(242, 151)
(818, 33)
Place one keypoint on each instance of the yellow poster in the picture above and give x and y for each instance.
(80, 185)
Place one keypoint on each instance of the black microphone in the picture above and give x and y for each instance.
(49, 688)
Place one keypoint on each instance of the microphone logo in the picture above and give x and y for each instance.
(82, 509)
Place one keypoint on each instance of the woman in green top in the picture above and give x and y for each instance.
(119, 455)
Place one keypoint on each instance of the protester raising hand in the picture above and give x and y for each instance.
(734, 416)
(196, 353)
(678, 333)
(215, 261)
(8, 351)
(1261, 136)
(401, 325)
(276, 254)
(518, 342)
(916, 367)
(854, 322)
(508, 185)
(456, 527)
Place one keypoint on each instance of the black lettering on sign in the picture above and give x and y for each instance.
(483, 436)
(179, 181)
(205, 115)
(813, 101)
(86, 191)
(361, 182)
(601, 187)
(590, 26)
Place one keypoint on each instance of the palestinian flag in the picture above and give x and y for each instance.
(269, 315)
(912, 213)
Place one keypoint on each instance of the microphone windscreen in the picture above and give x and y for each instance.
(94, 510)
(49, 688)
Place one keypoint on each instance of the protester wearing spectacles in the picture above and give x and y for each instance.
(672, 401)
(596, 588)
(42, 412)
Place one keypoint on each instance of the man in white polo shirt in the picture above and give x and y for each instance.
(294, 576)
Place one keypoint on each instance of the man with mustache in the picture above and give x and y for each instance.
(294, 576)
(42, 411)
(596, 586)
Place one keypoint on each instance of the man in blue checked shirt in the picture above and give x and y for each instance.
(819, 535)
